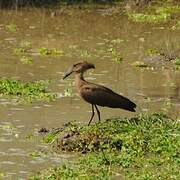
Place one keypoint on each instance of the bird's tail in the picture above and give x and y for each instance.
(130, 106)
(123, 103)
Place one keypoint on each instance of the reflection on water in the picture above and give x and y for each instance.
(81, 36)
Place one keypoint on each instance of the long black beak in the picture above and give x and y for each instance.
(68, 72)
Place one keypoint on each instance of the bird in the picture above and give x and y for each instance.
(95, 94)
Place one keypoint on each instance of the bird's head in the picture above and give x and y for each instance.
(79, 67)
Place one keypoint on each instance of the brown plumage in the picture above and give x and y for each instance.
(95, 94)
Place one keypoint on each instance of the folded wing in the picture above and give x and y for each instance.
(102, 96)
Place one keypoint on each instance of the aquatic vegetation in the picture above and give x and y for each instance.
(177, 64)
(37, 154)
(85, 54)
(177, 68)
(167, 104)
(156, 14)
(117, 41)
(135, 148)
(26, 60)
(168, 9)
(176, 26)
(23, 52)
(113, 49)
(2, 175)
(26, 91)
(68, 92)
(115, 55)
(25, 46)
(11, 27)
(177, 61)
(9, 128)
(162, 57)
(152, 51)
(20, 51)
(139, 64)
(47, 52)
(150, 18)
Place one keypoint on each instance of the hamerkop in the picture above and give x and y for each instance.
(95, 94)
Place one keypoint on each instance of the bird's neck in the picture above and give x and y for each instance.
(79, 80)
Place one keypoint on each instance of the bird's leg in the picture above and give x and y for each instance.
(98, 112)
(92, 115)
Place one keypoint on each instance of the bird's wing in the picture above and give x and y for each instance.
(102, 96)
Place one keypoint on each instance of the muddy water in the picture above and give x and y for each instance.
(81, 35)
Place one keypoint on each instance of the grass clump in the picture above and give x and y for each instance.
(143, 147)
(26, 92)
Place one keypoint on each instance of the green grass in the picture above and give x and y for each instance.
(25, 91)
(143, 147)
